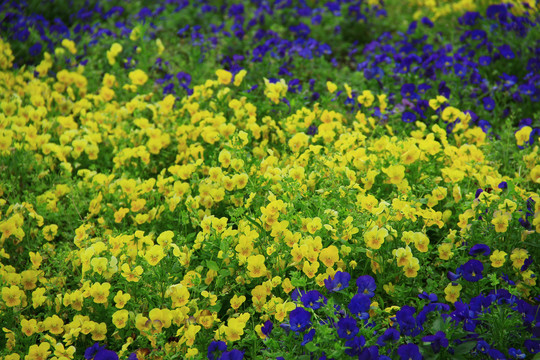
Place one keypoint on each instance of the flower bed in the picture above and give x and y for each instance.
(252, 188)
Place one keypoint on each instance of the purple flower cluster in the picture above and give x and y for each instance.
(243, 32)
(496, 64)
(45, 27)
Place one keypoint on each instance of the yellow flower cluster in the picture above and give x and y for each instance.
(113, 52)
(6, 55)
(275, 91)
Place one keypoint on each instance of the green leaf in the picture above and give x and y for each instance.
(216, 307)
(464, 348)
(297, 281)
(459, 357)
(431, 356)
(311, 347)
(212, 265)
(336, 354)
(438, 325)
(224, 272)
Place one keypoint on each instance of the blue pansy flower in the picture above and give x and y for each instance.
(369, 353)
(313, 299)
(409, 91)
(516, 353)
(215, 346)
(427, 22)
(408, 117)
(366, 285)
(497, 12)
(106, 355)
(308, 337)
(508, 80)
(183, 78)
(169, 89)
(469, 18)
(482, 346)
(506, 52)
(300, 319)
(312, 130)
(354, 346)
(431, 297)
(460, 70)
(526, 263)
(340, 281)
(527, 89)
(390, 336)
(266, 329)
(35, 49)
(480, 249)
(453, 277)
(484, 125)
(297, 294)
(507, 279)
(409, 352)
(489, 103)
(236, 9)
(97, 352)
(359, 305)
(182, 31)
(234, 354)
(472, 270)
(484, 60)
(347, 328)
(90, 352)
(407, 322)
(412, 28)
(422, 88)
(496, 354)
(437, 341)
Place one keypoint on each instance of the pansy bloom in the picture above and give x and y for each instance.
(300, 319)
(97, 352)
(480, 249)
(347, 328)
(389, 336)
(359, 305)
(366, 285)
(472, 270)
(409, 352)
(437, 341)
(339, 282)
(313, 299)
